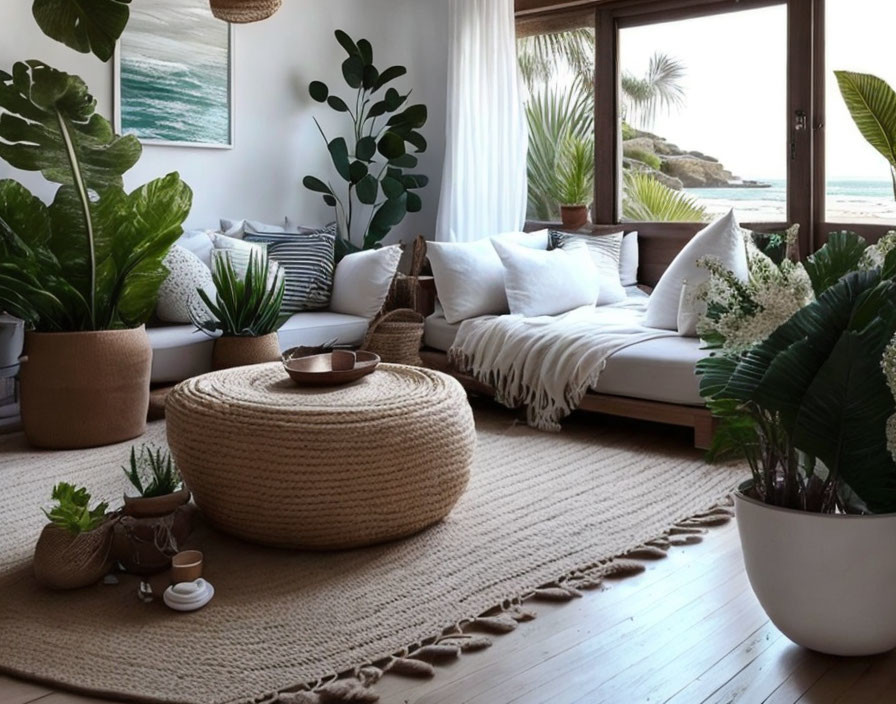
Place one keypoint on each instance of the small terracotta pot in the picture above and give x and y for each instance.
(232, 352)
(155, 506)
(574, 216)
(186, 566)
(85, 389)
(64, 560)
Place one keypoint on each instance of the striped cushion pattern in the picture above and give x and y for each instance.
(606, 253)
(308, 264)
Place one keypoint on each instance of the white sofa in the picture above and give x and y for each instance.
(181, 351)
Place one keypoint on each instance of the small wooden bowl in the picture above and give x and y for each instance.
(317, 370)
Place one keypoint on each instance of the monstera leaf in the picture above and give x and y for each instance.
(821, 373)
(839, 256)
(872, 104)
(49, 124)
(83, 25)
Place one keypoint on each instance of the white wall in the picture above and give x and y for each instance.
(276, 142)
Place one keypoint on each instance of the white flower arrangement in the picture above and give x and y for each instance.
(888, 364)
(740, 314)
(876, 254)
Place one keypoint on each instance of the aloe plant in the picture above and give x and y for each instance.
(372, 161)
(245, 306)
(72, 511)
(872, 103)
(152, 472)
(92, 259)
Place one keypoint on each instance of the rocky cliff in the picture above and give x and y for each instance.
(675, 167)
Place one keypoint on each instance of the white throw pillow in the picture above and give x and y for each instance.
(689, 310)
(547, 282)
(722, 239)
(177, 294)
(469, 276)
(606, 253)
(628, 260)
(362, 281)
(199, 242)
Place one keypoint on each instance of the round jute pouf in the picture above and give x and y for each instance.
(343, 467)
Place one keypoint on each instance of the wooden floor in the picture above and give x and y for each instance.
(687, 631)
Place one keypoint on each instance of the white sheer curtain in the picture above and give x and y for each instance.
(484, 178)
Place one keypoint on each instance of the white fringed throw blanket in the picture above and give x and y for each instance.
(548, 363)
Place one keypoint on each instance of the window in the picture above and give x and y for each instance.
(702, 128)
(557, 72)
(859, 187)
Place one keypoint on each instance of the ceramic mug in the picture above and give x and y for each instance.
(186, 566)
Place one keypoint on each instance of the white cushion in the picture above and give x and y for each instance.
(722, 239)
(178, 294)
(362, 281)
(469, 276)
(315, 328)
(239, 228)
(689, 310)
(606, 253)
(628, 260)
(548, 282)
(199, 242)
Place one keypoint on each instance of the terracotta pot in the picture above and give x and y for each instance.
(146, 545)
(85, 389)
(826, 581)
(574, 216)
(63, 560)
(155, 506)
(232, 352)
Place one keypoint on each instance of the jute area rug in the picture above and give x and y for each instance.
(542, 510)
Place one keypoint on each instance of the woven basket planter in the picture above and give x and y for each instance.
(396, 337)
(243, 11)
(63, 560)
(230, 352)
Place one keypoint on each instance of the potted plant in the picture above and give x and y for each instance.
(74, 548)
(575, 181)
(246, 314)
(373, 161)
(155, 522)
(802, 377)
(84, 271)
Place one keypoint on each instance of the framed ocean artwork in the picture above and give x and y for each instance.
(174, 76)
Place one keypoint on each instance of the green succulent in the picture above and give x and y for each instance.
(152, 472)
(72, 510)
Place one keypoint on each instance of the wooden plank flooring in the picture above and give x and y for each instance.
(687, 631)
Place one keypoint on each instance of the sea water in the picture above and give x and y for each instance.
(846, 201)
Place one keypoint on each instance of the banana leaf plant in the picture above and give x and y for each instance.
(91, 259)
(809, 405)
(872, 103)
(83, 25)
(372, 163)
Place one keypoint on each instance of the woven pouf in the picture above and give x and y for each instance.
(341, 467)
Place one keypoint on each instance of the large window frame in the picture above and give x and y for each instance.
(804, 120)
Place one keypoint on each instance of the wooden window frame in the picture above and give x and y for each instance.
(806, 183)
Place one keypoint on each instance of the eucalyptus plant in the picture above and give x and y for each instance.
(372, 162)
(92, 259)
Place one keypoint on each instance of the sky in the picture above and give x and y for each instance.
(735, 84)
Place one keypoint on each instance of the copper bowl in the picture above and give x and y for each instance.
(317, 369)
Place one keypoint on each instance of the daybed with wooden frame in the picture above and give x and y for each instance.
(657, 249)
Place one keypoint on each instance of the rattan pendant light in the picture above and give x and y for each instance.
(243, 11)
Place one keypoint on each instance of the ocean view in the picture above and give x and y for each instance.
(847, 201)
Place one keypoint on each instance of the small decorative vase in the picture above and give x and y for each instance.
(826, 581)
(64, 560)
(232, 352)
(574, 216)
(85, 389)
(155, 506)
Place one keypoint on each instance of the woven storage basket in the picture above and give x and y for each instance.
(242, 11)
(63, 560)
(396, 337)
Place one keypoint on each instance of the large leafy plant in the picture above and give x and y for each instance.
(373, 161)
(92, 259)
(647, 200)
(809, 404)
(245, 306)
(84, 25)
(872, 103)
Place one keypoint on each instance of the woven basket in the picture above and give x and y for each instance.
(63, 560)
(396, 337)
(243, 11)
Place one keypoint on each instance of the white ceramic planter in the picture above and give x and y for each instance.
(828, 582)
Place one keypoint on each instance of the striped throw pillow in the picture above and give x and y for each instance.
(307, 263)
(606, 252)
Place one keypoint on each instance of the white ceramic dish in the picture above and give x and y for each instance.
(188, 596)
